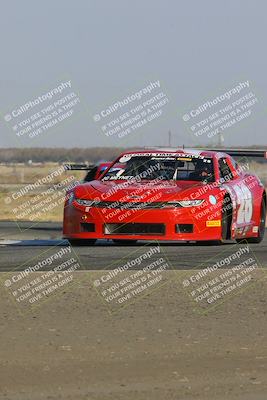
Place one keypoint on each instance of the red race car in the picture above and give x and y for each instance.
(171, 195)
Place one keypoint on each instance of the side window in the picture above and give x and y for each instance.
(225, 171)
(236, 166)
(91, 174)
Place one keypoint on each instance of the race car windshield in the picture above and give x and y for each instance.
(172, 167)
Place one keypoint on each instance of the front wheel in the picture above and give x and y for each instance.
(261, 232)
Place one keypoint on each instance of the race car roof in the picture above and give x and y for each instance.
(204, 152)
(195, 152)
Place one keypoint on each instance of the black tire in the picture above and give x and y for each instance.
(227, 213)
(82, 242)
(262, 225)
(124, 242)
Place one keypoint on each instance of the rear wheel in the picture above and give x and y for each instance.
(124, 242)
(82, 242)
(261, 232)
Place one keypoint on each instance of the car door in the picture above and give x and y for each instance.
(241, 195)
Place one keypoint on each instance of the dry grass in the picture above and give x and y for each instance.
(37, 204)
(23, 174)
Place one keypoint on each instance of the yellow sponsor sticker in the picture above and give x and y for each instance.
(184, 159)
(215, 222)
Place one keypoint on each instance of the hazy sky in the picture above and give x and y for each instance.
(110, 49)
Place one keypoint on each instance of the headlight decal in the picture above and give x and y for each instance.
(86, 203)
(191, 203)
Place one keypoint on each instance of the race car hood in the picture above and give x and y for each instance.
(137, 191)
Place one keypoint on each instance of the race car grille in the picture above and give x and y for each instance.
(88, 227)
(184, 228)
(131, 205)
(134, 229)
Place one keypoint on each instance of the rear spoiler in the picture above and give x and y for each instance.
(79, 167)
(243, 152)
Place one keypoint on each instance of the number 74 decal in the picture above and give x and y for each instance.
(244, 200)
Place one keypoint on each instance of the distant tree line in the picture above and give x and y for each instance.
(38, 154)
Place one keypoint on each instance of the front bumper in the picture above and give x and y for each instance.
(161, 224)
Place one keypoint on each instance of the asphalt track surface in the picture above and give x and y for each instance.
(160, 346)
(20, 245)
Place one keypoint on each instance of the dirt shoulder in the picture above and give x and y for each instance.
(157, 348)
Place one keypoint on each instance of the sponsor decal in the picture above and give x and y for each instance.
(125, 158)
(244, 201)
(212, 199)
(215, 222)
